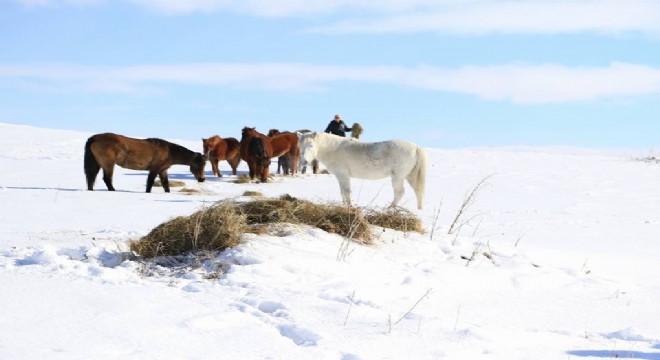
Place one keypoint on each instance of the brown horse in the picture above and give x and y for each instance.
(285, 143)
(103, 151)
(303, 163)
(256, 151)
(288, 162)
(217, 148)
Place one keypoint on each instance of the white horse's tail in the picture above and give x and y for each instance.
(417, 177)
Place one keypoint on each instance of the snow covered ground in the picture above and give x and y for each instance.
(573, 238)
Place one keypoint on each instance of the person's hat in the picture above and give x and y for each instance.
(337, 117)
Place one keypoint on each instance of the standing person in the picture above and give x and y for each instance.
(338, 127)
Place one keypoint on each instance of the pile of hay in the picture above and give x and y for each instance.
(221, 226)
(173, 183)
(242, 179)
(356, 130)
(395, 218)
(252, 193)
(215, 228)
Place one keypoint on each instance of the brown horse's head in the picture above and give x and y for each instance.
(273, 132)
(205, 146)
(210, 143)
(248, 131)
(197, 167)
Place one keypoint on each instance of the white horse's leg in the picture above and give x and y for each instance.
(345, 187)
(397, 186)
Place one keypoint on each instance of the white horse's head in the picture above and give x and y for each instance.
(307, 146)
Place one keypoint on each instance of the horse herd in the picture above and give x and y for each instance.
(344, 158)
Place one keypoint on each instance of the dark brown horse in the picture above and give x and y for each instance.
(288, 162)
(217, 148)
(103, 151)
(256, 151)
(285, 143)
(303, 163)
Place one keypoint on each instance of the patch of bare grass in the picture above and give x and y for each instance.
(173, 183)
(190, 191)
(221, 225)
(253, 193)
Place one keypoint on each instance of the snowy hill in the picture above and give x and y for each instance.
(558, 262)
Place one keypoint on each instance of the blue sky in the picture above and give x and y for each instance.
(443, 73)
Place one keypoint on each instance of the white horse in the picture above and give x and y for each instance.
(347, 158)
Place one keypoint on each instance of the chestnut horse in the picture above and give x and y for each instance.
(289, 160)
(285, 143)
(103, 151)
(256, 151)
(217, 148)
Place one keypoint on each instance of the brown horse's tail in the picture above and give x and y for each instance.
(92, 166)
(261, 157)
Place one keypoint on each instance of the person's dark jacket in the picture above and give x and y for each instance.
(338, 128)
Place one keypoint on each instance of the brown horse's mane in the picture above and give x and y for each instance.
(171, 145)
(178, 152)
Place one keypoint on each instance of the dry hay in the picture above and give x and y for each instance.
(222, 225)
(337, 219)
(356, 130)
(396, 218)
(190, 191)
(252, 193)
(214, 228)
(173, 183)
(242, 179)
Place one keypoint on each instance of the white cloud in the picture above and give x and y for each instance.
(537, 17)
(291, 8)
(515, 83)
(442, 16)
(38, 3)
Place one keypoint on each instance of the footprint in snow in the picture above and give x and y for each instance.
(300, 336)
(273, 308)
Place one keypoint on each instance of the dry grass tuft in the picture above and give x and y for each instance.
(337, 219)
(222, 225)
(356, 131)
(253, 193)
(215, 228)
(396, 218)
(190, 191)
(173, 183)
(242, 179)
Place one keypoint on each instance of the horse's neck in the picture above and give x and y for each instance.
(328, 143)
(180, 155)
